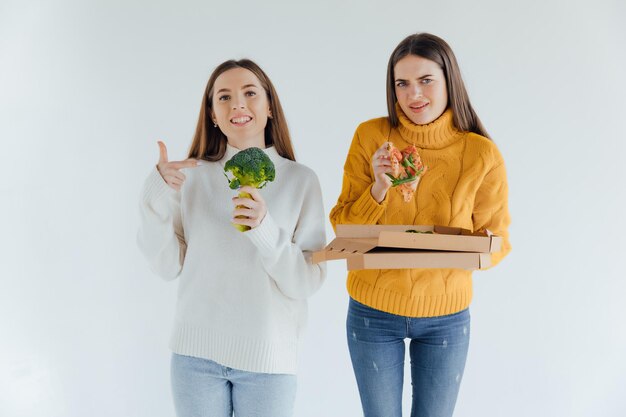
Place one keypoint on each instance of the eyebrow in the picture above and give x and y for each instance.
(420, 78)
(245, 86)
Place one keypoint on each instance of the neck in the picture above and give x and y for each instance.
(271, 151)
(248, 142)
(435, 135)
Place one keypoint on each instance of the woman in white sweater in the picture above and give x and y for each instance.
(241, 296)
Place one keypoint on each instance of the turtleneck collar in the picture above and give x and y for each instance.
(435, 135)
(269, 151)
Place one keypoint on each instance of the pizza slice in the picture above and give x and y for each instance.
(407, 169)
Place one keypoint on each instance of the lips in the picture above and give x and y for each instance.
(240, 120)
(418, 106)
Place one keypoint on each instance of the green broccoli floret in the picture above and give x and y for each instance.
(251, 167)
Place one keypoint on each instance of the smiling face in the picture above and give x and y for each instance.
(420, 87)
(241, 108)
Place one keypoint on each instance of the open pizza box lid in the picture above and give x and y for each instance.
(392, 247)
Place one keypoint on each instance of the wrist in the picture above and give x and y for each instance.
(261, 218)
(378, 192)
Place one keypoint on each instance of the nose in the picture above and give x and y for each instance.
(238, 103)
(416, 90)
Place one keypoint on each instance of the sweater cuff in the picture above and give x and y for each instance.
(265, 236)
(368, 209)
(155, 187)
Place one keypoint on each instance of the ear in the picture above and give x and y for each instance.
(269, 113)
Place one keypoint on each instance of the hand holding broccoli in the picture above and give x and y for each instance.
(249, 211)
(251, 169)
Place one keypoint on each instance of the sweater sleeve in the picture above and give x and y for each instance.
(355, 204)
(286, 257)
(491, 208)
(160, 237)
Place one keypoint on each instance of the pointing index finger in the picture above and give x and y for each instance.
(188, 163)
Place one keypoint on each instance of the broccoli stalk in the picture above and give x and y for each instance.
(251, 167)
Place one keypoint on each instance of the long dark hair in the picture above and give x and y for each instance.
(435, 49)
(209, 142)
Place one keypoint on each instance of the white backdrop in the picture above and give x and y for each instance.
(87, 88)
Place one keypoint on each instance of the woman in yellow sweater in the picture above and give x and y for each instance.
(464, 186)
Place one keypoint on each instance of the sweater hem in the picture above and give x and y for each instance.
(245, 354)
(408, 306)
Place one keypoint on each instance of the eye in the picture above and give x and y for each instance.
(400, 84)
(427, 81)
(250, 93)
(224, 97)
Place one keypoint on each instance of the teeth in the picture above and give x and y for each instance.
(240, 119)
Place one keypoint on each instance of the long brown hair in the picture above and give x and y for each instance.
(435, 49)
(209, 142)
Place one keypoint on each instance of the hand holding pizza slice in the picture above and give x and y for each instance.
(407, 169)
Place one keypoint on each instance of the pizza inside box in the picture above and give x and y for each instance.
(410, 246)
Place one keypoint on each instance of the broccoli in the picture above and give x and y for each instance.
(251, 167)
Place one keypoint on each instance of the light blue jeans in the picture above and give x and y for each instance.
(438, 350)
(203, 388)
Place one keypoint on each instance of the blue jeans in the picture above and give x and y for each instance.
(203, 388)
(438, 350)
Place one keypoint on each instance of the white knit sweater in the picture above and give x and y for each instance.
(241, 296)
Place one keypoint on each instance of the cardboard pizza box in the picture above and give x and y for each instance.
(410, 246)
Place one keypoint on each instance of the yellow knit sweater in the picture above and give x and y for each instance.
(465, 186)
